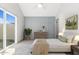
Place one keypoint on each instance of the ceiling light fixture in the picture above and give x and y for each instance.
(40, 5)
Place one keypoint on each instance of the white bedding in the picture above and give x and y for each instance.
(55, 45)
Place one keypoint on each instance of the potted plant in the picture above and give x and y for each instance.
(27, 33)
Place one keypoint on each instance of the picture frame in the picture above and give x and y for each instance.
(72, 23)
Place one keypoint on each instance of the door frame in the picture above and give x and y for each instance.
(4, 28)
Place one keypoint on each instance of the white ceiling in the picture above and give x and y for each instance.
(50, 9)
(31, 9)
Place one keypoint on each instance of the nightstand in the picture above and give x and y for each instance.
(75, 49)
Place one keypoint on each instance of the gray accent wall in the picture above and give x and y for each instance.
(36, 23)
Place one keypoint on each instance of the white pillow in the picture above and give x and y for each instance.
(70, 38)
(76, 39)
(63, 39)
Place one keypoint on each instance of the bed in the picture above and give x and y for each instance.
(55, 45)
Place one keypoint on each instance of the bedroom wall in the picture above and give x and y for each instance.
(36, 23)
(15, 9)
(67, 10)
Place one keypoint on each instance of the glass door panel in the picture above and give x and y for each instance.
(10, 29)
(1, 29)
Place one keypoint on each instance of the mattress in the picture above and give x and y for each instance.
(55, 45)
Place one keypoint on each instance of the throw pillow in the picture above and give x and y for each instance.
(63, 39)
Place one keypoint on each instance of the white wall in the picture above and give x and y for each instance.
(68, 10)
(14, 8)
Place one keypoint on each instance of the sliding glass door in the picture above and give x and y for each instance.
(1, 29)
(10, 29)
(7, 29)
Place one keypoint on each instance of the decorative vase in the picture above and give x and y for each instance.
(27, 38)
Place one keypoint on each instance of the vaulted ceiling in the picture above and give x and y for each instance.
(49, 9)
(32, 9)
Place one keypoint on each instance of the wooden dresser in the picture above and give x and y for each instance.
(40, 35)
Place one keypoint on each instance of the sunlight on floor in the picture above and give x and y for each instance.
(9, 51)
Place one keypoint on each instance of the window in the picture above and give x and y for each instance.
(10, 19)
(1, 16)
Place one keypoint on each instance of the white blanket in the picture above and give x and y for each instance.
(55, 45)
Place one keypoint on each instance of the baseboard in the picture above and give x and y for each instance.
(67, 53)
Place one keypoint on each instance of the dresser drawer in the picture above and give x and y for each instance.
(40, 35)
